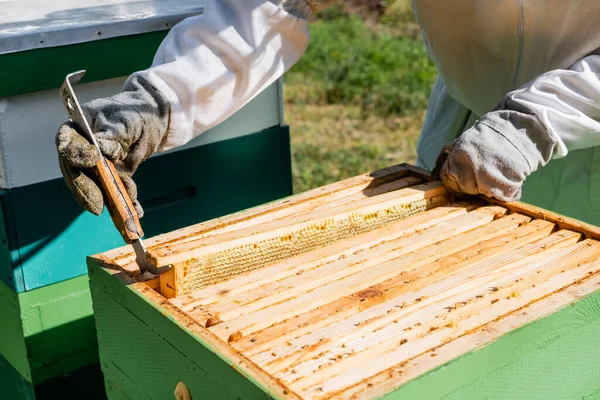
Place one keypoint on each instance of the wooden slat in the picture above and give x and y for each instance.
(563, 222)
(254, 321)
(416, 293)
(477, 245)
(580, 262)
(310, 279)
(153, 283)
(458, 343)
(181, 252)
(167, 283)
(124, 256)
(289, 267)
(200, 263)
(383, 338)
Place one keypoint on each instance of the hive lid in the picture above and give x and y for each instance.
(35, 24)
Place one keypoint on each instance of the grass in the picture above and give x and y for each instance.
(356, 100)
(334, 142)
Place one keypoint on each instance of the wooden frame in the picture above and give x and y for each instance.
(326, 324)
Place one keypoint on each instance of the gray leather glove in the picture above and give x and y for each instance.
(495, 156)
(129, 128)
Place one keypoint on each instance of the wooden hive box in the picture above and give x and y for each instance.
(383, 285)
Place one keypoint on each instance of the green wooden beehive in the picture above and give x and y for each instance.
(406, 292)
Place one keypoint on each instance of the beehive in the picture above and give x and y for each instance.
(364, 289)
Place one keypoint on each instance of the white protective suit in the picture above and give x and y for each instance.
(540, 52)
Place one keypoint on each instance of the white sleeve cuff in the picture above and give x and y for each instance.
(567, 103)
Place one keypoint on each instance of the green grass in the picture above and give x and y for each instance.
(334, 142)
(349, 63)
(355, 102)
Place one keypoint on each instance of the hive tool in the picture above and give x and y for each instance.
(117, 200)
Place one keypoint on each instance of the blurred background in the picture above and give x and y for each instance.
(357, 99)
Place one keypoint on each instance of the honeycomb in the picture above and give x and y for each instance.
(200, 272)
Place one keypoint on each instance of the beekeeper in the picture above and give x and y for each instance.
(515, 111)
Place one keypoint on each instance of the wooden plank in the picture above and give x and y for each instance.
(428, 319)
(153, 283)
(167, 283)
(380, 188)
(151, 280)
(124, 257)
(310, 279)
(417, 293)
(118, 324)
(180, 252)
(211, 260)
(435, 342)
(260, 319)
(477, 245)
(563, 222)
(283, 269)
(510, 350)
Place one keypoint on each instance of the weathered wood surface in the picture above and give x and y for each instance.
(201, 262)
(283, 269)
(362, 314)
(328, 194)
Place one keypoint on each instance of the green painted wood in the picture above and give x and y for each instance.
(556, 357)
(11, 272)
(12, 384)
(42, 69)
(176, 190)
(118, 384)
(118, 329)
(49, 331)
(206, 182)
(55, 305)
(114, 393)
(126, 320)
(593, 396)
(59, 328)
(12, 339)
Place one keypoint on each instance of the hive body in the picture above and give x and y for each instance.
(394, 279)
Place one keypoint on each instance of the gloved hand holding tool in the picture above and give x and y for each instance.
(132, 125)
(129, 127)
